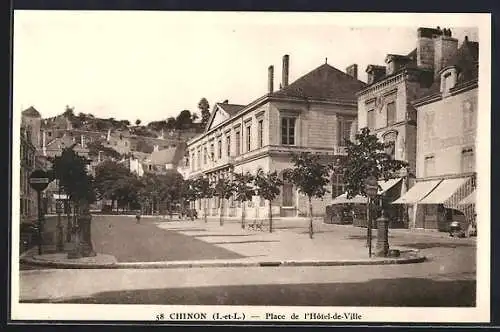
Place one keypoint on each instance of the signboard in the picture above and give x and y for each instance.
(39, 180)
(371, 186)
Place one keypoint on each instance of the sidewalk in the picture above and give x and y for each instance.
(288, 245)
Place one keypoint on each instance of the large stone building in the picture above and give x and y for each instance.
(385, 104)
(29, 141)
(446, 143)
(315, 113)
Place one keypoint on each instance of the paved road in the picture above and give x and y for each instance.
(447, 279)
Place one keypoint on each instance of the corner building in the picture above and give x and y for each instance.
(315, 114)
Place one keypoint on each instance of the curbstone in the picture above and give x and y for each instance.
(212, 264)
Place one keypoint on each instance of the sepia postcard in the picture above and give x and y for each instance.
(250, 167)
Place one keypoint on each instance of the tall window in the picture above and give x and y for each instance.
(391, 113)
(469, 115)
(338, 186)
(238, 138)
(288, 131)
(429, 166)
(370, 120)
(468, 160)
(390, 144)
(228, 145)
(248, 138)
(205, 155)
(212, 152)
(219, 147)
(261, 133)
(343, 131)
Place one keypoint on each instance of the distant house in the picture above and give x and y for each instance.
(161, 161)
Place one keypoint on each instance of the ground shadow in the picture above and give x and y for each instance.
(421, 245)
(223, 235)
(403, 292)
(256, 241)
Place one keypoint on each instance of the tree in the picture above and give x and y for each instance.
(189, 194)
(183, 120)
(109, 178)
(204, 107)
(367, 157)
(205, 191)
(70, 170)
(223, 189)
(267, 187)
(171, 189)
(194, 117)
(244, 190)
(310, 176)
(171, 123)
(137, 122)
(69, 112)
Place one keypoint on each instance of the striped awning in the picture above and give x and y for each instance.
(417, 192)
(471, 199)
(443, 191)
(358, 199)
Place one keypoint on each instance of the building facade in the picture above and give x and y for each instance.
(315, 114)
(385, 105)
(446, 144)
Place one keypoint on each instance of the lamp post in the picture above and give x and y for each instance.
(382, 231)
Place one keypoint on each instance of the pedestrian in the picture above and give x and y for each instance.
(138, 217)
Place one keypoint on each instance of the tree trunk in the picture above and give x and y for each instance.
(243, 214)
(369, 227)
(221, 201)
(205, 210)
(310, 219)
(270, 217)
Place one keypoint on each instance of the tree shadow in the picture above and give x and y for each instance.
(402, 292)
(256, 241)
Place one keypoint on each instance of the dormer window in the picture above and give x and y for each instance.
(448, 80)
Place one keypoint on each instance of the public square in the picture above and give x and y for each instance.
(446, 278)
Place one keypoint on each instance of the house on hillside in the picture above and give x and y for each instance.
(162, 161)
(315, 114)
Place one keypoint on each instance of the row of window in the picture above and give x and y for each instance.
(390, 110)
(467, 163)
(213, 153)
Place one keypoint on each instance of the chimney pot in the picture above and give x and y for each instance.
(270, 79)
(352, 71)
(286, 60)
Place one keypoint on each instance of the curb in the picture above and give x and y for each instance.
(211, 264)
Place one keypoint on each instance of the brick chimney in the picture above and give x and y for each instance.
(270, 79)
(445, 47)
(352, 71)
(425, 46)
(284, 80)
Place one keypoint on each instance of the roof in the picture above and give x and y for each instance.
(323, 83)
(230, 109)
(466, 61)
(32, 112)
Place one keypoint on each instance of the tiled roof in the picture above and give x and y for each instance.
(31, 112)
(230, 109)
(323, 83)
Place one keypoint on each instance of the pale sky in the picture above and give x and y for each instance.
(152, 65)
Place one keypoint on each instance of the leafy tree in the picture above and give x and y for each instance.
(189, 194)
(171, 123)
(69, 112)
(223, 189)
(110, 175)
(183, 120)
(194, 117)
(244, 190)
(204, 107)
(267, 186)
(171, 189)
(205, 191)
(367, 157)
(125, 123)
(310, 176)
(137, 122)
(71, 171)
